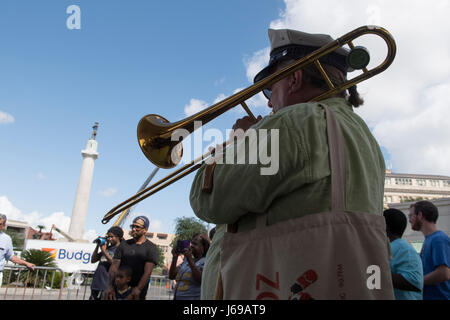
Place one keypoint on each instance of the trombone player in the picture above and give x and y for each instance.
(302, 188)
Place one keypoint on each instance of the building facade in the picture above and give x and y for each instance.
(163, 240)
(399, 187)
(401, 190)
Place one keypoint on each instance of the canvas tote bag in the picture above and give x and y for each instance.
(335, 255)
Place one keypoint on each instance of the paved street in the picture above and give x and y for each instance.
(19, 293)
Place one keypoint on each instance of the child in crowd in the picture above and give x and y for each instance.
(122, 282)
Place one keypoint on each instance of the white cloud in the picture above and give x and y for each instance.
(407, 105)
(6, 117)
(419, 143)
(59, 219)
(256, 63)
(91, 235)
(194, 106)
(109, 192)
(40, 176)
(34, 218)
(7, 208)
(219, 98)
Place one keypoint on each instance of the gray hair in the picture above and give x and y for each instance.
(3, 217)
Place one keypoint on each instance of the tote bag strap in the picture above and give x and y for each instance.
(337, 167)
(338, 181)
(336, 147)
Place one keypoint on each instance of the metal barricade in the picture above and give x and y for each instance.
(78, 285)
(42, 283)
(160, 288)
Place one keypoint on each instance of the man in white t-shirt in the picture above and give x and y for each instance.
(6, 250)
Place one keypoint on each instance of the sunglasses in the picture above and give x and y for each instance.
(267, 93)
(135, 226)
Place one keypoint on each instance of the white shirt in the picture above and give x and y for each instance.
(6, 249)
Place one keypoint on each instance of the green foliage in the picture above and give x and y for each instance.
(412, 199)
(39, 258)
(186, 227)
(160, 256)
(28, 278)
(56, 276)
(5, 277)
(17, 238)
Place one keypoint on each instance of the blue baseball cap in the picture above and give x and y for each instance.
(142, 220)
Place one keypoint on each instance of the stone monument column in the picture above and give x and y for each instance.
(78, 221)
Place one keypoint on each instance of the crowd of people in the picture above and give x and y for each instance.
(125, 266)
(322, 208)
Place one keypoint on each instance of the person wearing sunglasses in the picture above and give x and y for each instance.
(140, 254)
(238, 195)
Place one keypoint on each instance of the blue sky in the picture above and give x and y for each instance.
(131, 58)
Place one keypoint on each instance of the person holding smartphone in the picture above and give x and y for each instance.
(188, 275)
(107, 248)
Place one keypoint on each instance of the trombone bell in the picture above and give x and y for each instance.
(155, 139)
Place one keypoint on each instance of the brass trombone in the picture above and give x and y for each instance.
(154, 132)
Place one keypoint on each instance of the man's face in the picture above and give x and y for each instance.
(137, 229)
(2, 225)
(414, 220)
(282, 94)
(279, 95)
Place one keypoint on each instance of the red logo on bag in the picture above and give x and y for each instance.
(270, 283)
(302, 282)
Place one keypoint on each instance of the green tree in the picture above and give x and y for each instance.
(17, 238)
(39, 233)
(186, 227)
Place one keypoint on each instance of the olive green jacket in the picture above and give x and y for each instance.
(302, 184)
(212, 264)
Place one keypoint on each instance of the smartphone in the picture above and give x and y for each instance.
(182, 244)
